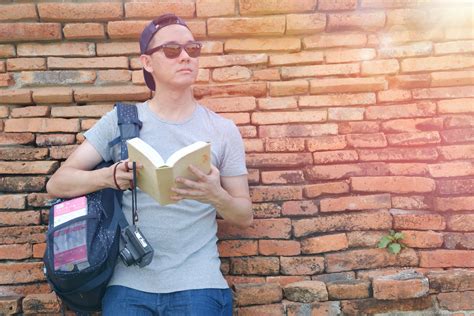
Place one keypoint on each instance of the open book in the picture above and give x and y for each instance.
(157, 176)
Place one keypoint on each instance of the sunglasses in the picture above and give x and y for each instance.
(173, 50)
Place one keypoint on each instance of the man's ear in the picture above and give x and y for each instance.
(146, 62)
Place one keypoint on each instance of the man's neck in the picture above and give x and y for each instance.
(174, 106)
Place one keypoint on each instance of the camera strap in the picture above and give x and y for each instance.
(134, 195)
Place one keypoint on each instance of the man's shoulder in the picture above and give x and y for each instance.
(215, 117)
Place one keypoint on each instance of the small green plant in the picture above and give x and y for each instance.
(392, 242)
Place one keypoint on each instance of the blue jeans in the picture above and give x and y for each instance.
(121, 300)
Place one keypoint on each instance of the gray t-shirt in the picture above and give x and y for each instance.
(183, 234)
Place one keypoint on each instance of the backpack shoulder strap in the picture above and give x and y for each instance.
(129, 126)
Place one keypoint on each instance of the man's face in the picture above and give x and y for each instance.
(176, 72)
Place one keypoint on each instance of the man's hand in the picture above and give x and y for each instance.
(206, 189)
(122, 171)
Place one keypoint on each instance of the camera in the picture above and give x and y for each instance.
(136, 249)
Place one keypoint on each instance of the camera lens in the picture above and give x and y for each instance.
(126, 256)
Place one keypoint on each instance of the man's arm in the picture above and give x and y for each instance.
(229, 195)
(75, 177)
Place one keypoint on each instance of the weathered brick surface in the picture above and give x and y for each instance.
(356, 118)
(403, 285)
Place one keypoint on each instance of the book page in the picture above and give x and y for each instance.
(146, 150)
(177, 155)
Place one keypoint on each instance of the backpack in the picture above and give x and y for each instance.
(81, 288)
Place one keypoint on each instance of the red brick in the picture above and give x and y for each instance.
(7, 50)
(337, 99)
(30, 111)
(456, 106)
(22, 184)
(270, 74)
(10, 304)
(255, 265)
(394, 95)
(378, 220)
(454, 280)
(80, 11)
(325, 40)
(247, 131)
(235, 104)
(408, 169)
(17, 96)
(367, 21)
(21, 272)
(57, 78)
(248, 7)
(19, 64)
(84, 31)
(422, 239)
(440, 93)
(81, 111)
(374, 306)
(234, 73)
(459, 121)
(316, 308)
(15, 252)
(315, 190)
(282, 177)
(400, 286)
(451, 169)
(387, 112)
(366, 140)
(41, 303)
(270, 44)
(369, 275)
(343, 55)
(306, 291)
(367, 239)
(16, 138)
(270, 25)
(260, 228)
(279, 247)
(6, 80)
(15, 32)
(326, 143)
(353, 203)
(350, 289)
(12, 201)
(118, 48)
(347, 85)
(17, 12)
(378, 67)
(412, 202)
(61, 152)
(31, 167)
(312, 71)
(87, 63)
(259, 293)
(252, 145)
(262, 310)
(329, 5)
(111, 93)
(327, 157)
(266, 118)
(397, 154)
(284, 88)
(458, 135)
(453, 47)
(305, 23)
(454, 203)
(358, 127)
(304, 265)
(41, 125)
(417, 220)
(232, 60)
(21, 235)
(20, 218)
(23, 153)
(39, 199)
(346, 114)
(410, 139)
(455, 186)
(211, 8)
(266, 210)
(149, 10)
(326, 243)
(447, 258)
(341, 171)
(277, 103)
(232, 280)
(456, 152)
(237, 248)
(456, 301)
(299, 208)
(410, 81)
(464, 222)
(408, 50)
(235, 89)
(297, 130)
(56, 49)
(279, 193)
(284, 144)
(412, 125)
(436, 63)
(258, 160)
(286, 279)
(452, 78)
(393, 184)
(368, 258)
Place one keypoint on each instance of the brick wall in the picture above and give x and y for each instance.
(357, 117)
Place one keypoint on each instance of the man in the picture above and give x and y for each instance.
(184, 277)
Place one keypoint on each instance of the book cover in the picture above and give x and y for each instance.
(157, 176)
